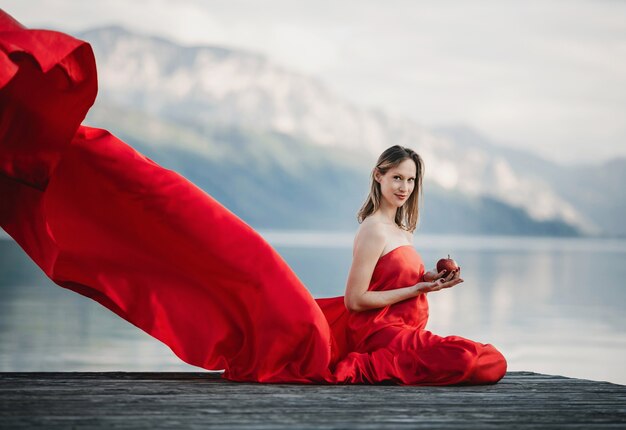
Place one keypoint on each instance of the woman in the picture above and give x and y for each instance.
(383, 329)
(101, 219)
(388, 219)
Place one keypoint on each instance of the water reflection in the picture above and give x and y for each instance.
(551, 306)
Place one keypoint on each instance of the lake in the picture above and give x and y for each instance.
(550, 305)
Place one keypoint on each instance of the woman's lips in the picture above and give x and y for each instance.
(402, 197)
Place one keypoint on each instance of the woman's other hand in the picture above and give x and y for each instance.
(433, 275)
(435, 281)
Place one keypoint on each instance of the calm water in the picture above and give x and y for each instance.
(550, 305)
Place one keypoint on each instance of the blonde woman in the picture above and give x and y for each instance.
(382, 329)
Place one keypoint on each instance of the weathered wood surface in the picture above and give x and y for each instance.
(203, 400)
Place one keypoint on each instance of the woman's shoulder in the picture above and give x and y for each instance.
(370, 231)
(376, 226)
(371, 226)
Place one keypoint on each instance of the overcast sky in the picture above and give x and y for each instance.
(548, 76)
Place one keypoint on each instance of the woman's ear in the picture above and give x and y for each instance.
(377, 175)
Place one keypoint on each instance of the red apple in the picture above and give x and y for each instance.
(447, 264)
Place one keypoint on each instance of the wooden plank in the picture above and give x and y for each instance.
(54, 400)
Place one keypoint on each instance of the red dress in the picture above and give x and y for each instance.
(391, 344)
(103, 220)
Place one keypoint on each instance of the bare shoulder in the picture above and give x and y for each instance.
(371, 229)
(371, 237)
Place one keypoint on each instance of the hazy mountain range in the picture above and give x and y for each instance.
(282, 151)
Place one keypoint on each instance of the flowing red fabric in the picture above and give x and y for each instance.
(105, 221)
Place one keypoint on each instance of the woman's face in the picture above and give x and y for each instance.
(397, 184)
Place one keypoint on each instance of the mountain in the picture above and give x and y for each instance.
(598, 192)
(270, 180)
(216, 106)
(595, 191)
(273, 180)
(226, 87)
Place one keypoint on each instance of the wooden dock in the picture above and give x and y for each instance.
(64, 400)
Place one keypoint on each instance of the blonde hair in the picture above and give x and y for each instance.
(407, 215)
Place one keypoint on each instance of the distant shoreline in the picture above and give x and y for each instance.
(343, 239)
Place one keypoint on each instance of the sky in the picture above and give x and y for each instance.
(546, 76)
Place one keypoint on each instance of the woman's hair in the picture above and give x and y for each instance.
(407, 215)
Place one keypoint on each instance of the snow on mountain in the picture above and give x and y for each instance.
(214, 85)
(226, 87)
(481, 172)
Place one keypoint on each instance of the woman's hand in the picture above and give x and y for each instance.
(435, 281)
(433, 275)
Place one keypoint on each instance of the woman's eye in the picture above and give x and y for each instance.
(396, 177)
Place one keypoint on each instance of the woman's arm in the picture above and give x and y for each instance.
(367, 250)
(379, 299)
